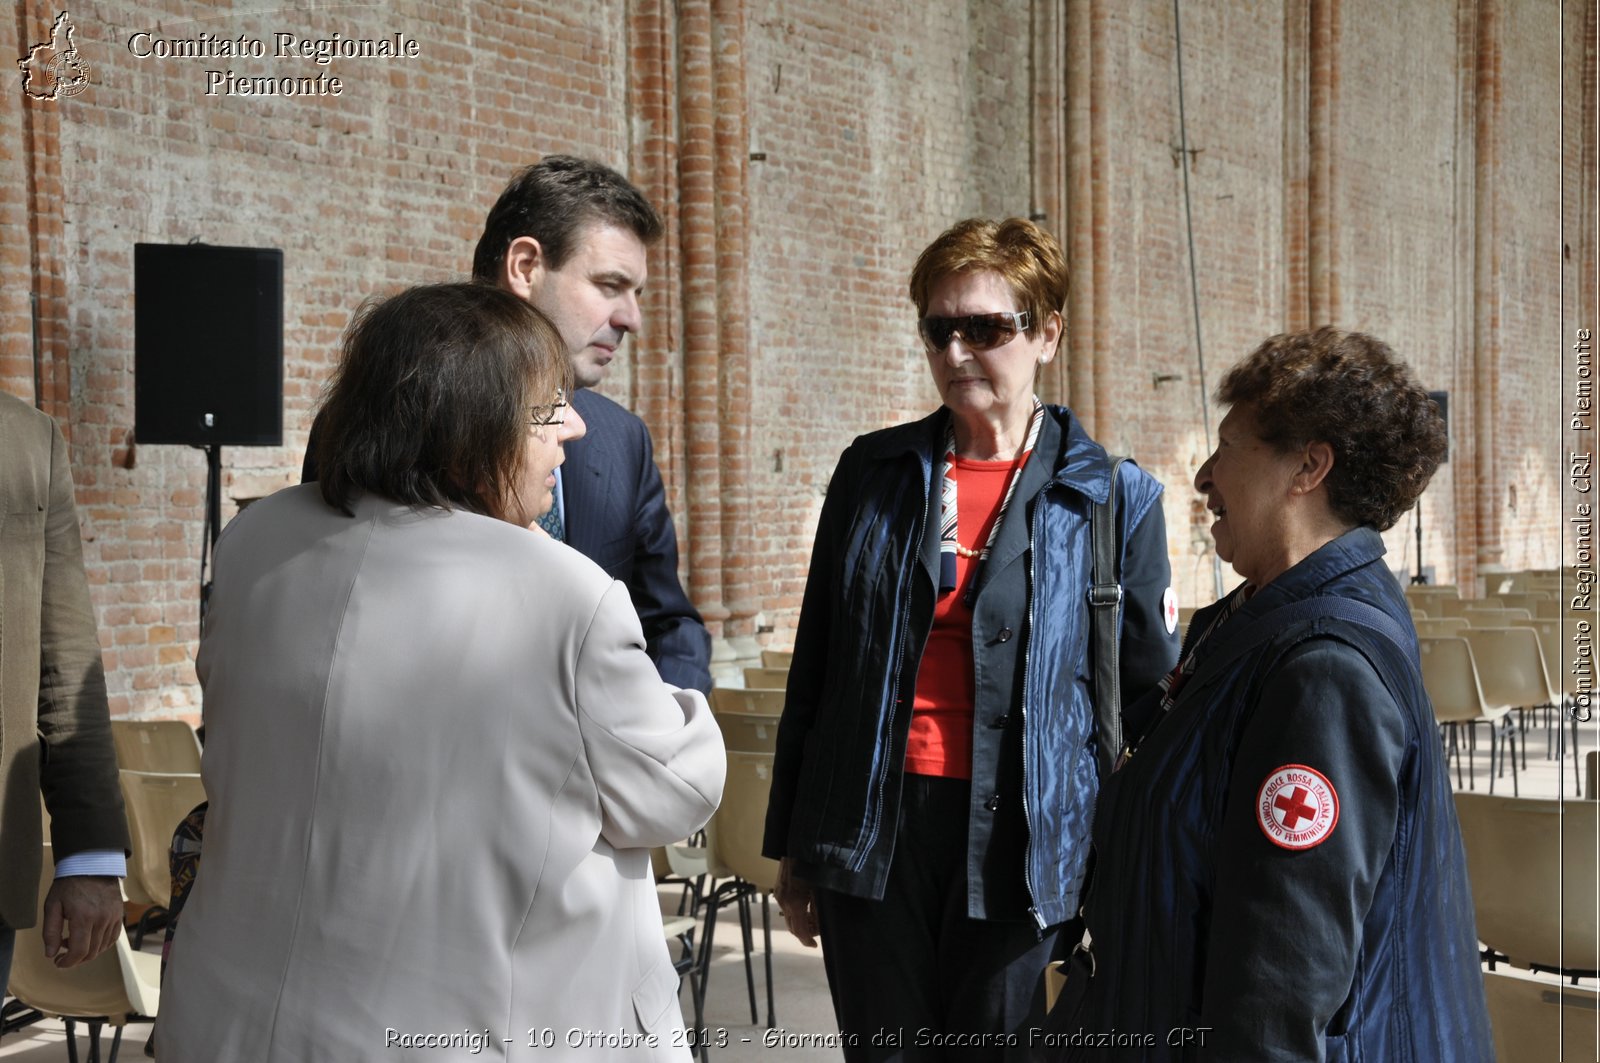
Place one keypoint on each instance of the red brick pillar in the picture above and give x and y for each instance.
(1048, 63)
(698, 207)
(740, 585)
(1085, 152)
(1486, 490)
(44, 306)
(1322, 242)
(16, 227)
(1296, 165)
(658, 396)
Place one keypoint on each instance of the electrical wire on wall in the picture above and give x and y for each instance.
(1194, 283)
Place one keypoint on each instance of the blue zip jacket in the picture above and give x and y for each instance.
(868, 608)
(1279, 873)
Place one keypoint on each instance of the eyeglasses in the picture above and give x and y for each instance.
(981, 332)
(551, 412)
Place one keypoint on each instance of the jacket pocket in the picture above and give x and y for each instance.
(654, 1000)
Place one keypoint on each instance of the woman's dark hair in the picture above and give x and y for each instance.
(430, 402)
(1348, 390)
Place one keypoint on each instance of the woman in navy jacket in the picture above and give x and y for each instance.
(1279, 873)
(936, 767)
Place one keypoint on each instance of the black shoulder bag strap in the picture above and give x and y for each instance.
(1105, 623)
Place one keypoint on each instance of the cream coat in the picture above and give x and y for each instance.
(437, 758)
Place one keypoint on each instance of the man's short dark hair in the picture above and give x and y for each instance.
(429, 404)
(552, 201)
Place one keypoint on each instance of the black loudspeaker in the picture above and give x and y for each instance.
(208, 345)
(1441, 399)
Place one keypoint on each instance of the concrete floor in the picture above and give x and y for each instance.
(804, 1019)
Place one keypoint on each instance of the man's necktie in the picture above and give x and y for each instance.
(551, 522)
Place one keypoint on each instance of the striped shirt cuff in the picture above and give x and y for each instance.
(93, 862)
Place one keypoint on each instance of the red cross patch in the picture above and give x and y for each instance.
(1297, 807)
(1169, 609)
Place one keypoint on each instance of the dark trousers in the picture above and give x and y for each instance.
(912, 977)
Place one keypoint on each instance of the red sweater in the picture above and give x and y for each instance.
(941, 711)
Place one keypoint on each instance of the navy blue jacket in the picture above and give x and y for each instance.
(1358, 947)
(616, 515)
(865, 619)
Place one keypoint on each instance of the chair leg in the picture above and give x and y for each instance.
(94, 1042)
(72, 1040)
(1513, 737)
(116, 1043)
(1494, 746)
(703, 964)
(1576, 786)
(766, 932)
(749, 947)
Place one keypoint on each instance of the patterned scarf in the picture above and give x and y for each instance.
(949, 541)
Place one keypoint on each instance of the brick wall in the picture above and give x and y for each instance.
(1336, 170)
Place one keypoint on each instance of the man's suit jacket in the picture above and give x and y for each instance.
(616, 514)
(437, 759)
(54, 727)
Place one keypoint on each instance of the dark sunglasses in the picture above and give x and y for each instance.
(981, 332)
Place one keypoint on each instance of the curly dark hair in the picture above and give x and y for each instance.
(1346, 389)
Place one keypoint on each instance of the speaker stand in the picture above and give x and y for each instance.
(213, 523)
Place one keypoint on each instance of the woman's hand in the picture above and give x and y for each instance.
(797, 903)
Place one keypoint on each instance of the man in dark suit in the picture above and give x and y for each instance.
(569, 235)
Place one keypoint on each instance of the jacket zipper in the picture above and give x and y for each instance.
(1027, 674)
(913, 548)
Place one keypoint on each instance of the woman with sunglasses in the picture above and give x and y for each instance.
(938, 758)
(436, 752)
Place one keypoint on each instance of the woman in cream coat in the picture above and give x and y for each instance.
(437, 756)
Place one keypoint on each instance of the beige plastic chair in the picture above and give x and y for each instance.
(156, 803)
(749, 732)
(1532, 601)
(156, 745)
(1532, 863)
(736, 699)
(117, 987)
(1479, 615)
(1557, 650)
(1512, 670)
(777, 658)
(740, 822)
(1430, 597)
(1537, 1021)
(1436, 626)
(1450, 677)
(766, 678)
